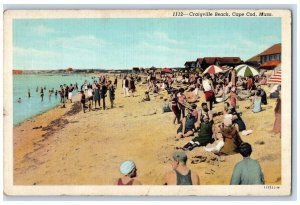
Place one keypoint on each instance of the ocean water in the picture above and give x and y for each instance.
(32, 106)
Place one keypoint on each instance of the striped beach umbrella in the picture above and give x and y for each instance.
(213, 69)
(276, 78)
(245, 70)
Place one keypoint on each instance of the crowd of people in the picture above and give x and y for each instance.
(195, 122)
(220, 138)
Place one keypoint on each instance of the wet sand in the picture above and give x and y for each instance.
(76, 148)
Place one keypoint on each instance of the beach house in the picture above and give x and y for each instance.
(272, 53)
(268, 59)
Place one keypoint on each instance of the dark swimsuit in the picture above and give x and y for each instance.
(184, 179)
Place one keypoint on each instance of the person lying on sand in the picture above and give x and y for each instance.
(181, 174)
(129, 171)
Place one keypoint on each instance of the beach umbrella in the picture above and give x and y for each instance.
(213, 69)
(246, 70)
(276, 78)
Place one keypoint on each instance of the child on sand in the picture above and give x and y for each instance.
(147, 97)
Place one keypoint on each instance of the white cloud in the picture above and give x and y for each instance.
(161, 36)
(85, 43)
(42, 29)
(31, 58)
(33, 53)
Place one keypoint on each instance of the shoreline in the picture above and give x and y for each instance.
(87, 148)
(42, 112)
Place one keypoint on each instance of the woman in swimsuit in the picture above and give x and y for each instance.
(129, 170)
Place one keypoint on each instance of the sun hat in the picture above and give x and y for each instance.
(180, 156)
(127, 166)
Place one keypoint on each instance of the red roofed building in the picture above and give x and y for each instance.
(272, 53)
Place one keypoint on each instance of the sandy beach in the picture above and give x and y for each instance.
(76, 148)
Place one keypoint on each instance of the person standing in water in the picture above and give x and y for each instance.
(29, 93)
(42, 94)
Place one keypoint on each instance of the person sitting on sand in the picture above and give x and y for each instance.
(129, 171)
(205, 135)
(231, 137)
(147, 97)
(166, 106)
(275, 91)
(82, 100)
(263, 95)
(201, 113)
(256, 102)
(181, 174)
(247, 171)
(187, 126)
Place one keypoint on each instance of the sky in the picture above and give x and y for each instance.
(137, 42)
